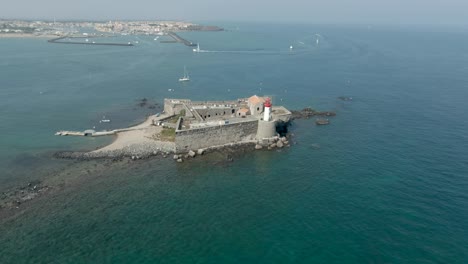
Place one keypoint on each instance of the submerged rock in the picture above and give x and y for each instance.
(309, 112)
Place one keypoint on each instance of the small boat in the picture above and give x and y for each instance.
(104, 120)
(186, 77)
(290, 47)
(345, 98)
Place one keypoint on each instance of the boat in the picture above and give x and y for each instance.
(322, 121)
(197, 49)
(104, 120)
(291, 47)
(186, 77)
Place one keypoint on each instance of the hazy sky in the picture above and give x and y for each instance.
(314, 11)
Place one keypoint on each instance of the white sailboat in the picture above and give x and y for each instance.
(186, 77)
(197, 49)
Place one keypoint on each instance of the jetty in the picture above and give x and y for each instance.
(86, 133)
(59, 41)
(179, 39)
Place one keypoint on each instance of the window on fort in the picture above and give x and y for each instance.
(209, 115)
(258, 108)
(233, 111)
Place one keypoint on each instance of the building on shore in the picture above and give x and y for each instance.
(205, 124)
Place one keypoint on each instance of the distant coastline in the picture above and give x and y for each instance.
(42, 29)
(25, 35)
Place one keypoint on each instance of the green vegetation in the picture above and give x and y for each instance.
(175, 118)
(168, 134)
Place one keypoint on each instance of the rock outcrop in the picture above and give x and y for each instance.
(309, 112)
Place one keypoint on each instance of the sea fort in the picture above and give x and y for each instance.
(193, 127)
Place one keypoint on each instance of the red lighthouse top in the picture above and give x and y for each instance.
(267, 102)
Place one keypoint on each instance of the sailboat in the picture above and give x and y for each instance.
(186, 77)
(197, 49)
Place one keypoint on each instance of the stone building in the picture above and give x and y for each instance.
(255, 104)
(211, 123)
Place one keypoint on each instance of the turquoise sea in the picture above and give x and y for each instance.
(385, 182)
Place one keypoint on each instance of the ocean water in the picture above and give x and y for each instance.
(385, 182)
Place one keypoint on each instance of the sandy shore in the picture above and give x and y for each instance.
(139, 139)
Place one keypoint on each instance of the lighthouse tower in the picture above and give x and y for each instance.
(267, 110)
(266, 127)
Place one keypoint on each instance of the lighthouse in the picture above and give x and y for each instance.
(266, 127)
(267, 110)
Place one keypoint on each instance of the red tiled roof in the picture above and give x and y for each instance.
(244, 110)
(253, 100)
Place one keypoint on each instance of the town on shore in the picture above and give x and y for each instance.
(36, 28)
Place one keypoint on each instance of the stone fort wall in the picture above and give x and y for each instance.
(216, 113)
(198, 138)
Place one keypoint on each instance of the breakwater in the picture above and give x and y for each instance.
(179, 39)
(58, 40)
